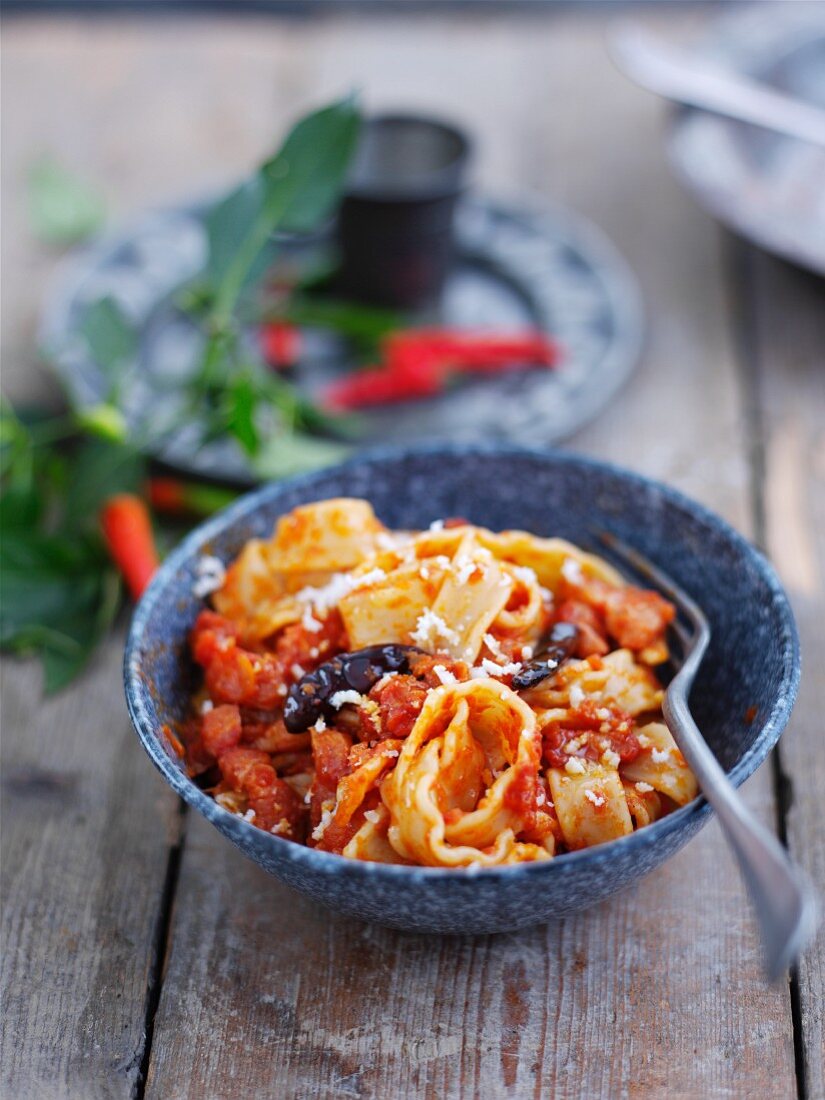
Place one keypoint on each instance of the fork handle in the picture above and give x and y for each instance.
(782, 896)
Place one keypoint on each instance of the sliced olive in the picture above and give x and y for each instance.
(553, 650)
(309, 698)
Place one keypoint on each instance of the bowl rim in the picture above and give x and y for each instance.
(687, 819)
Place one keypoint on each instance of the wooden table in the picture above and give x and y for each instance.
(142, 954)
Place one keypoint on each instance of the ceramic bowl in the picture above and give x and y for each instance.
(741, 700)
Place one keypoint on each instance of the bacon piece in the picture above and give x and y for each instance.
(330, 749)
(249, 772)
(636, 617)
(597, 728)
(210, 634)
(221, 729)
(592, 634)
(399, 699)
(296, 644)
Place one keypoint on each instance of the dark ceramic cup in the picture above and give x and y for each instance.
(741, 700)
(395, 227)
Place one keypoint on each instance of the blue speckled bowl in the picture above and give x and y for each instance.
(753, 663)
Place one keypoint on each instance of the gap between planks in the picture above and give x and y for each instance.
(160, 948)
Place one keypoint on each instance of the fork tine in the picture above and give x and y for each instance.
(651, 572)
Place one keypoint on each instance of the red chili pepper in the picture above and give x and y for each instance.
(181, 498)
(127, 530)
(281, 344)
(467, 350)
(418, 362)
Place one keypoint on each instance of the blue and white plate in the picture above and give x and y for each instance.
(768, 187)
(524, 264)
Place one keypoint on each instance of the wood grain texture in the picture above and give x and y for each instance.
(788, 362)
(87, 826)
(658, 991)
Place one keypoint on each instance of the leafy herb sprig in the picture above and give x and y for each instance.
(59, 592)
(231, 392)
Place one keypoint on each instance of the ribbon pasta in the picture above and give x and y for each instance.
(448, 762)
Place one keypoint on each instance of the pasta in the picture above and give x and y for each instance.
(453, 697)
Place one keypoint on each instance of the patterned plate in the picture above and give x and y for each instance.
(768, 187)
(519, 265)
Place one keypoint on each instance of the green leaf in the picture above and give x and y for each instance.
(20, 506)
(284, 454)
(57, 596)
(45, 581)
(62, 208)
(294, 191)
(227, 224)
(111, 338)
(242, 403)
(366, 326)
(304, 179)
(99, 469)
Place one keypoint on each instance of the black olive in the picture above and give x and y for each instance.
(553, 650)
(308, 699)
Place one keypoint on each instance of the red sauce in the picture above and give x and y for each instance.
(399, 699)
(597, 729)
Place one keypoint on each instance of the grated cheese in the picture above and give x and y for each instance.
(437, 525)
(659, 756)
(466, 570)
(385, 679)
(596, 799)
(320, 725)
(206, 706)
(297, 671)
(373, 576)
(571, 570)
(372, 816)
(574, 766)
(576, 696)
(525, 573)
(210, 576)
(611, 758)
(643, 788)
(319, 830)
(430, 629)
(444, 675)
(490, 668)
(309, 622)
(341, 698)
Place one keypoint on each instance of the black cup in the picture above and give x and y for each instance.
(395, 227)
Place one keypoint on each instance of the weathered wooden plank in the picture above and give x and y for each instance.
(788, 360)
(87, 825)
(658, 991)
(87, 828)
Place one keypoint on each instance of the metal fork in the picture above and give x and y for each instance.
(782, 896)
